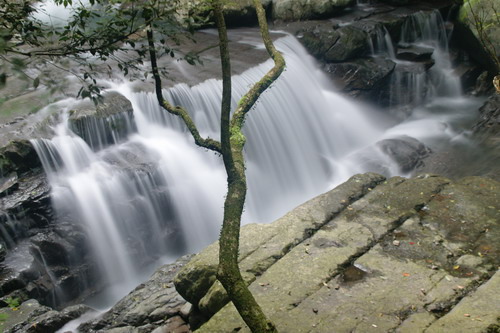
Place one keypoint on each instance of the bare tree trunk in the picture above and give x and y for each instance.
(233, 141)
(231, 149)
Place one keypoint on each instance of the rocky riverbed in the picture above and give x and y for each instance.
(384, 255)
(373, 254)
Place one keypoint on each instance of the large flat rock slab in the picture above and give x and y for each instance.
(399, 256)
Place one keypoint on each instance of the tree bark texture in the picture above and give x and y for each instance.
(232, 151)
(231, 148)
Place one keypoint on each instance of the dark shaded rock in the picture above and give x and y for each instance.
(488, 125)
(329, 43)
(152, 303)
(18, 156)
(415, 53)
(352, 43)
(389, 156)
(406, 151)
(361, 76)
(8, 183)
(31, 317)
(319, 38)
(24, 207)
(469, 74)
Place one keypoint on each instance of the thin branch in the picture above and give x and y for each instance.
(249, 99)
(207, 143)
(226, 86)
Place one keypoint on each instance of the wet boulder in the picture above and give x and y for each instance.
(330, 43)
(318, 38)
(154, 303)
(289, 10)
(401, 154)
(352, 43)
(488, 124)
(361, 77)
(414, 53)
(405, 151)
(18, 156)
(107, 123)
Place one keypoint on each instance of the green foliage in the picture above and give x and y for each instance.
(12, 302)
(95, 34)
(483, 16)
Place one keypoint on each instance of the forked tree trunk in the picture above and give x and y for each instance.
(231, 148)
(232, 142)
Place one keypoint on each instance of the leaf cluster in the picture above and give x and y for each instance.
(99, 37)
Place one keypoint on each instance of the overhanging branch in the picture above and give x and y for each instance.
(249, 99)
(207, 143)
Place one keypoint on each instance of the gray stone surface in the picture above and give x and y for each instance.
(397, 258)
(288, 10)
(153, 305)
(261, 245)
(475, 313)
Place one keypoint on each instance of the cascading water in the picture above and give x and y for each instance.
(413, 83)
(133, 196)
(154, 192)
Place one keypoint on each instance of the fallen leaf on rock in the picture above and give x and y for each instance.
(456, 267)
(406, 274)
(411, 243)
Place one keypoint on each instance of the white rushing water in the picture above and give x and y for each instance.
(155, 193)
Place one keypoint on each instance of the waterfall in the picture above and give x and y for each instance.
(154, 192)
(413, 83)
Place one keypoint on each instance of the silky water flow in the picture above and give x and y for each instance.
(154, 194)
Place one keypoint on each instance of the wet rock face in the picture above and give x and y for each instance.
(17, 156)
(41, 258)
(353, 49)
(422, 250)
(107, 123)
(406, 151)
(154, 304)
(363, 78)
(489, 121)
